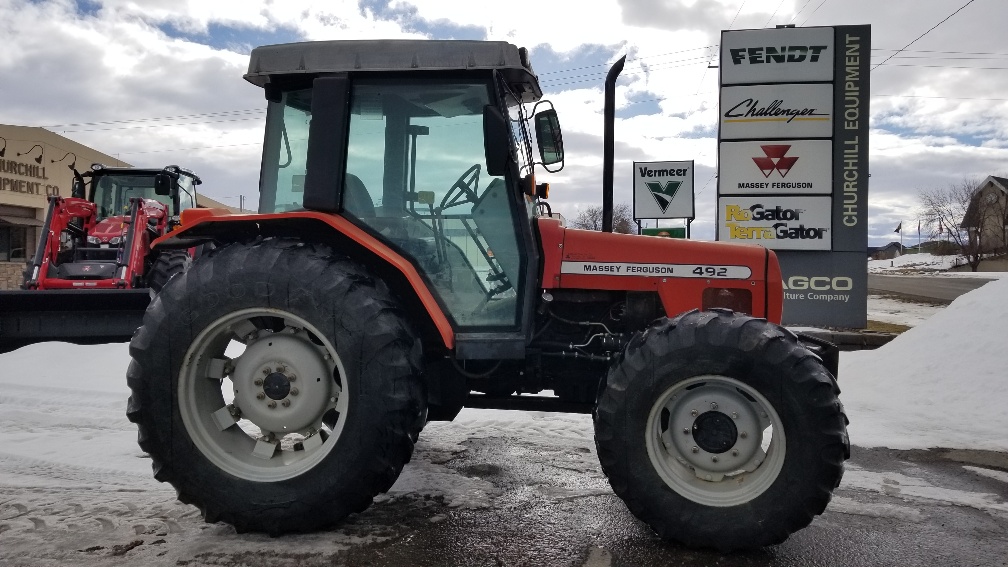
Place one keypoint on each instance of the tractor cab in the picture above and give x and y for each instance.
(112, 189)
(437, 164)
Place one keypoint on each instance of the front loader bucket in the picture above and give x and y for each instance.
(76, 316)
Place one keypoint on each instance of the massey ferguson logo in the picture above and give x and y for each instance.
(775, 160)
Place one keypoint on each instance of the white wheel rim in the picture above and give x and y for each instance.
(691, 445)
(263, 404)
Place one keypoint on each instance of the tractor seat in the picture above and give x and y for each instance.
(356, 198)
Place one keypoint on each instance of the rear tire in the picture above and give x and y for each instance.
(276, 386)
(721, 431)
(167, 264)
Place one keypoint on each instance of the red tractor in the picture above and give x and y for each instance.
(103, 241)
(398, 264)
(92, 274)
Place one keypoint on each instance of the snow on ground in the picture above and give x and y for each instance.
(922, 264)
(71, 472)
(943, 383)
(912, 263)
(891, 309)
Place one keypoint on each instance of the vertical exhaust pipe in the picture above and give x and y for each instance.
(609, 115)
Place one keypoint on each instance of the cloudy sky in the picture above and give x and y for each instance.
(157, 82)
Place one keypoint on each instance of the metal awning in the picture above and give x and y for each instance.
(20, 221)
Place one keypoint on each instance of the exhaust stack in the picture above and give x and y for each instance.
(609, 115)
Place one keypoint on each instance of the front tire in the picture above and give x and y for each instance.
(721, 430)
(276, 386)
(167, 264)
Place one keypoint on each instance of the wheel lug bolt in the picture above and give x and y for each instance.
(694, 413)
(266, 371)
(294, 391)
(286, 403)
(271, 405)
(685, 430)
(743, 435)
(292, 378)
(260, 396)
(714, 458)
(695, 449)
(258, 382)
(734, 415)
(734, 453)
(713, 405)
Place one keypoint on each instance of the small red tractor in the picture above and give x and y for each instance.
(398, 264)
(92, 274)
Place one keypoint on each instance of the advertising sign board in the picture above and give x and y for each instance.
(850, 141)
(779, 223)
(759, 112)
(663, 190)
(793, 162)
(802, 167)
(672, 232)
(784, 55)
(825, 287)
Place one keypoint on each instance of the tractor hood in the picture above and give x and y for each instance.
(109, 230)
(684, 273)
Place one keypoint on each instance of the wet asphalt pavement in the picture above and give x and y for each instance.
(552, 507)
(499, 488)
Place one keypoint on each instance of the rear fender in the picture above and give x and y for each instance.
(404, 280)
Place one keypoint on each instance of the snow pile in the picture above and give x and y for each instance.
(943, 383)
(909, 263)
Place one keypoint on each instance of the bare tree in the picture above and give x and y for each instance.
(591, 219)
(958, 212)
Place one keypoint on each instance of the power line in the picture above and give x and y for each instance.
(736, 14)
(162, 118)
(774, 13)
(924, 34)
(938, 97)
(805, 5)
(813, 12)
(189, 149)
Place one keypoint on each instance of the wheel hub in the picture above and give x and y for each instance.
(277, 386)
(714, 432)
(283, 383)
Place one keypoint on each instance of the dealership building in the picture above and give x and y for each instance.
(35, 164)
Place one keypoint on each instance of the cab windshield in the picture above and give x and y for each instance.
(112, 193)
(416, 177)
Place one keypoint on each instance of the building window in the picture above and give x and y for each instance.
(13, 241)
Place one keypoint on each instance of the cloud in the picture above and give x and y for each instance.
(159, 81)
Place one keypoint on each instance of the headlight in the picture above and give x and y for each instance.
(93, 240)
(115, 240)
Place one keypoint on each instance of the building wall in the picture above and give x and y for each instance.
(995, 237)
(34, 165)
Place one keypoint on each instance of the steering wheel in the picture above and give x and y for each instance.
(463, 190)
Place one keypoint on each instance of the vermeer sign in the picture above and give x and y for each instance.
(663, 190)
(801, 167)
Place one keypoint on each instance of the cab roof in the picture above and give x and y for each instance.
(394, 55)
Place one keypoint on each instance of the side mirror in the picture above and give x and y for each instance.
(496, 140)
(163, 184)
(547, 128)
(77, 189)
